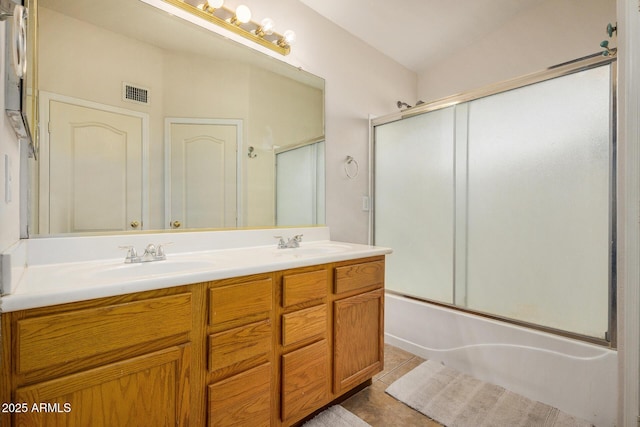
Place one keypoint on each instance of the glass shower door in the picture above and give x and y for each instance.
(537, 212)
(504, 205)
(414, 203)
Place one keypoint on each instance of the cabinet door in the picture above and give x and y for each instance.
(358, 340)
(305, 381)
(244, 399)
(143, 391)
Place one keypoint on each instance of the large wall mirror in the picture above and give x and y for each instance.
(148, 122)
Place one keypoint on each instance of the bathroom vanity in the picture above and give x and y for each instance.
(267, 348)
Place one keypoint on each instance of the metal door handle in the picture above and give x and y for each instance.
(176, 224)
(134, 224)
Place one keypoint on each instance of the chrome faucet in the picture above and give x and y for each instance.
(293, 242)
(151, 253)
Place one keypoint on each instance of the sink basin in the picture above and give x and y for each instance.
(136, 270)
(315, 249)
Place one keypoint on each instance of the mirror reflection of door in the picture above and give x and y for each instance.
(203, 168)
(300, 185)
(91, 167)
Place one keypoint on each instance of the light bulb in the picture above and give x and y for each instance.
(267, 26)
(243, 14)
(211, 5)
(289, 37)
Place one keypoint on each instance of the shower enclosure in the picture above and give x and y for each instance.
(502, 201)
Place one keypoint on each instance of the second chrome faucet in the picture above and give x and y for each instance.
(293, 242)
(151, 253)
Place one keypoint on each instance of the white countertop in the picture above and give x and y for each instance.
(42, 284)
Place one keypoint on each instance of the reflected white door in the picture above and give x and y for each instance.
(203, 173)
(95, 169)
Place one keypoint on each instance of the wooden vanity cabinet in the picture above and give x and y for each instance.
(262, 350)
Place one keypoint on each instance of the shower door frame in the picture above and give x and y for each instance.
(561, 70)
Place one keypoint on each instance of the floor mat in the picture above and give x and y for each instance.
(459, 400)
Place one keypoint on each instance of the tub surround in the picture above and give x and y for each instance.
(57, 270)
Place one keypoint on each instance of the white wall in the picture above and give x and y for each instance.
(550, 33)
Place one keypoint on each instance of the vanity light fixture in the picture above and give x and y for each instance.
(239, 22)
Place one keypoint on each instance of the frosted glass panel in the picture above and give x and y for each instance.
(538, 203)
(300, 185)
(414, 203)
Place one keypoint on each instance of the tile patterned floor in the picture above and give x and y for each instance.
(379, 409)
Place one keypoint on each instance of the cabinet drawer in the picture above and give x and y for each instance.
(304, 324)
(303, 287)
(240, 348)
(357, 276)
(305, 380)
(239, 304)
(242, 400)
(63, 338)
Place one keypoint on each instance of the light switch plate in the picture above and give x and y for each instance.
(366, 203)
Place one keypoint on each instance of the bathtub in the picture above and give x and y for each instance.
(576, 377)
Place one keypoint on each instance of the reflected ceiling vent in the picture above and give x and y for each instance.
(133, 93)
